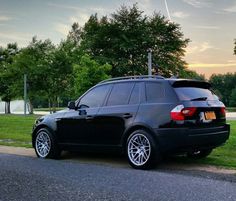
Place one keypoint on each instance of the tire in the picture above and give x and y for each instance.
(198, 154)
(141, 150)
(45, 144)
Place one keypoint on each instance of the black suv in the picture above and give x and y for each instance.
(143, 116)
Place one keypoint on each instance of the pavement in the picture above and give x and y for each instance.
(119, 162)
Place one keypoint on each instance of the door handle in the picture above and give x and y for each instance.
(127, 115)
(89, 118)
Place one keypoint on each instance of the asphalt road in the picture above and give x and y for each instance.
(27, 178)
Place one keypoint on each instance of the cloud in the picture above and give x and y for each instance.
(211, 65)
(4, 18)
(81, 18)
(180, 14)
(231, 61)
(231, 9)
(212, 68)
(62, 28)
(64, 6)
(198, 3)
(207, 27)
(22, 39)
(199, 48)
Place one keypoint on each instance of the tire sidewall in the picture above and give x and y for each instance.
(54, 151)
(153, 158)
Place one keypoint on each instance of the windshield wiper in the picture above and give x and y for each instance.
(199, 99)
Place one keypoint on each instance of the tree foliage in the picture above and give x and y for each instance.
(124, 39)
(48, 70)
(7, 77)
(88, 73)
(104, 47)
(235, 46)
(224, 85)
(233, 97)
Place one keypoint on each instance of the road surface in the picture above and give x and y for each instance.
(28, 178)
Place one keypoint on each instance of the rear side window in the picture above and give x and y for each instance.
(134, 98)
(195, 94)
(154, 92)
(120, 94)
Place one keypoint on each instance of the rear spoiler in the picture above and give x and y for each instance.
(189, 83)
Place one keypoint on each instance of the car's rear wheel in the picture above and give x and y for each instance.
(45, 144)
(141, 150)
(198, 154)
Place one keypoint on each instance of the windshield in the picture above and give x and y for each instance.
(195, 94)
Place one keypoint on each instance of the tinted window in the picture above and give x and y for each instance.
(194, 93)
(95, 97)
(120, 94)
(154, 92)
(134, 98)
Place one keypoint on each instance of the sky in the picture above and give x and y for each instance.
(209, 24)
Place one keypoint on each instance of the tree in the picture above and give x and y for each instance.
(233, 98)
(7, 78)
(88, 73)
(224, 84)
(235, 46)
(48, 70)
(123, 40)
(60, 76)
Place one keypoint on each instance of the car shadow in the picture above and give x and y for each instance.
(173, 162)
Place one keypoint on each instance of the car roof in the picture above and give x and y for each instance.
(175, 82)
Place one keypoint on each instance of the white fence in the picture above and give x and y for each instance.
(17, 107)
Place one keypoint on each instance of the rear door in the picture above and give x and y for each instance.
(118, 112)
(209, 109)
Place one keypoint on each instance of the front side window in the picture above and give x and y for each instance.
(95, 97)
(120, 94)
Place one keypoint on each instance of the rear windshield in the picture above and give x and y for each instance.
(195, 94)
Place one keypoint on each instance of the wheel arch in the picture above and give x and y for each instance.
(133, 128)
(38, 128)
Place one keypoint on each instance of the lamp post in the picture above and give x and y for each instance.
(149, 61)
(25, 93)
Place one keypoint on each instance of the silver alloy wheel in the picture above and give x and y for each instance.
(139, 149)
(43, 144)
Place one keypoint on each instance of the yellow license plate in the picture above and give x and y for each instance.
(210, 115)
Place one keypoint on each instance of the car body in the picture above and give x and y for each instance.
(145, 117)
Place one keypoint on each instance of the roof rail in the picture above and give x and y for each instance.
(133, 77)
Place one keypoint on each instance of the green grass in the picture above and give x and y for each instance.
(15, 130)
(48, 110)
(231, 109)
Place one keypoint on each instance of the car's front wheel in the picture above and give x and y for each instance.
(142, 150)
(45, 144)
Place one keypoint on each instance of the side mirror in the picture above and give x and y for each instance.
(71, 105)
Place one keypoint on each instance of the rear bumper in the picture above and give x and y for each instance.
(186, 139)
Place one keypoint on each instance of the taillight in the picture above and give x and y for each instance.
(222, 111)
(180, 112)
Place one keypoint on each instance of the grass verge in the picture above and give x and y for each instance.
(15, 130)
